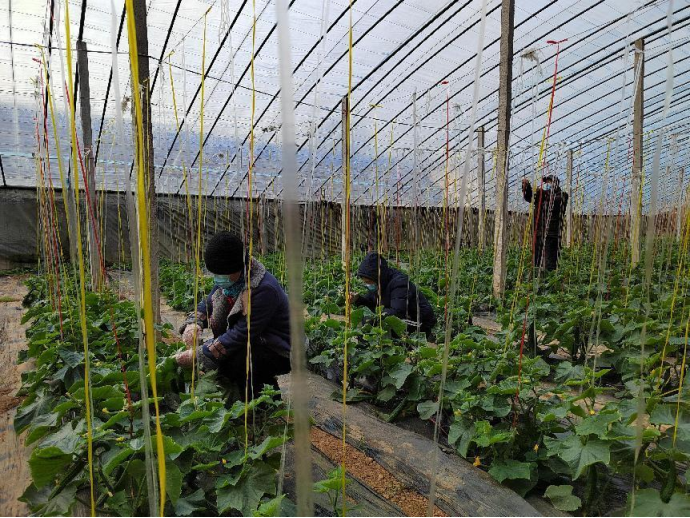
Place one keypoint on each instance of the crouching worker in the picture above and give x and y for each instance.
(225, 310)
(393, 290)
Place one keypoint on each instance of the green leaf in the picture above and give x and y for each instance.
(577, 455)
(66, 439)
(267, 445)
(663, 414)
(172, 449)
(460, 435)
(509, 469)
(562, 498)
(394, 324)
(271, 507)
(648, 503)
(189, 504)
(121, 503)
(247, 493)
(46, 464)
(61, 504)
(597, 424)
(217, 420)
(114, 457)
(400, 373)
(485, 435)
(173, 481)
(386, 394)
(356, 316)
(70, 357)
(426, 409)
(32, 408)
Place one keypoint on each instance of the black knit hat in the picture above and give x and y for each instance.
(224, 253)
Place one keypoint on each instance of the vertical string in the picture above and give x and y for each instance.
(197, 254)
(144, 240)
(248, 266)
(82, 273)
(456, 257)
(346, 208)
(299, 392)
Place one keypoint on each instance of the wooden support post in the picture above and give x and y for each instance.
(89, 164)
(346, 154)
(569, 207)
(638, 159)
(505, 72)
(481, 184)
(149, 173)
(679, 213)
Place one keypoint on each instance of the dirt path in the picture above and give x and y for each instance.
(13, 455)
(369, 472)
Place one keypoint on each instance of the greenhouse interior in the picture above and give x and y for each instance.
(344, 257)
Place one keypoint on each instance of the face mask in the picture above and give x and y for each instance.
(223, 281)
(546, 187)
(371, 287)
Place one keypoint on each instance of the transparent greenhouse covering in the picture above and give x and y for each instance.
(413, 72)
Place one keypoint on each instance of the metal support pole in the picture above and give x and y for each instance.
(505, 72)
(569, 207)
(149, 174)
(346, 154)
(89, 164)
(679, 213)
(638, 159)
(481, 185)
(2, 170)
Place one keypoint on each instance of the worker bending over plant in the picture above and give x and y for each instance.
(225, 310)
(393, 290)
(549, 211)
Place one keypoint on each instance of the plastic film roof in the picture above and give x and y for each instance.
(403, 50)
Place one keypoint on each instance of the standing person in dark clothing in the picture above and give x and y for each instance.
(393, 290)
(549, 211)
(225, 310)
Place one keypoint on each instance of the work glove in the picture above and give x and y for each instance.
(190, 333)
(184, 359)
(215, 348)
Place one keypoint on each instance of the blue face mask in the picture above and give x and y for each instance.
(371, 287)
(546, 186)
(223, 281)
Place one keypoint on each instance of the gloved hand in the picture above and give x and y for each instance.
(184, 359)
(189, 334)
(215, 348)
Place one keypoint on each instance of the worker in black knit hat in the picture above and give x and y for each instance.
(393, 290)
(225, 310)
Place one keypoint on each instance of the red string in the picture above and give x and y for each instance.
(89, 204)
(52, 207)
(536, 220)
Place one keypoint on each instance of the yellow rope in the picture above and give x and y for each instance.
(248, 266)
(377, 211)
(679, 276)
(680, 385)
(346, 208)
(82, 273)
(197, 255)
(143, 221)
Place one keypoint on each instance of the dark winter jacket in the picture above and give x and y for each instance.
(549, 210)
(398, 296)
(270, 317)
